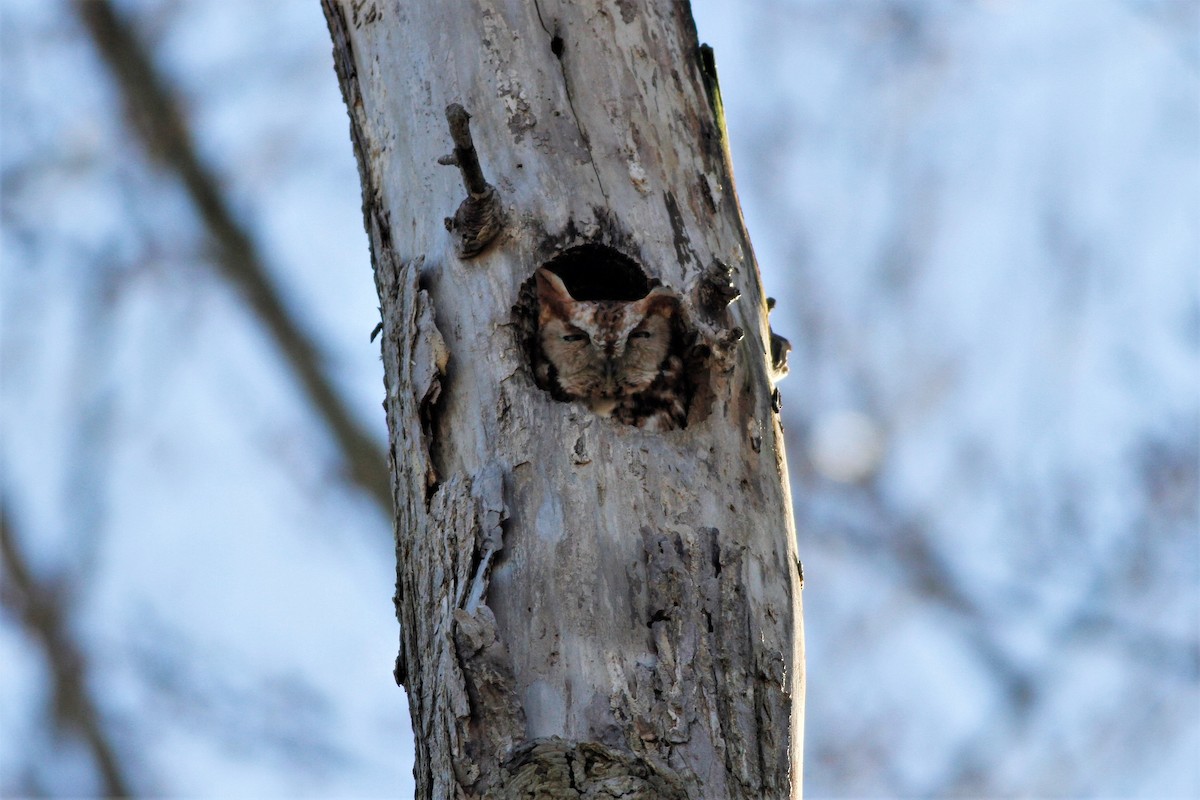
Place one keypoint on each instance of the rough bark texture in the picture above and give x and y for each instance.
(587, 609)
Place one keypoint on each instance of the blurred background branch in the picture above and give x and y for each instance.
(41, 607)
(154, 113)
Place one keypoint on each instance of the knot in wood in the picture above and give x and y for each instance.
(556, 769)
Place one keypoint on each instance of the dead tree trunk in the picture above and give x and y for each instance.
(588, 608)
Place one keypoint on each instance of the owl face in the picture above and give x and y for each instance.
(603, 348)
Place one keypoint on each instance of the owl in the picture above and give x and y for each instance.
(619, 357)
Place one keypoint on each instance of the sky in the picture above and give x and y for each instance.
(981, 221)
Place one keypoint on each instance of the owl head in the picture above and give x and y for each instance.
(603, 348)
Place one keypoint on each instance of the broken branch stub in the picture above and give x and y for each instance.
(479, 218)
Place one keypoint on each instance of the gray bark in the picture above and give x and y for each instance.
(587, 609)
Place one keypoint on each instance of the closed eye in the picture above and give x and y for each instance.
(575, 337)
(640, 335)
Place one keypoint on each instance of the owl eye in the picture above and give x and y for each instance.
(640, 335)
(575, 337)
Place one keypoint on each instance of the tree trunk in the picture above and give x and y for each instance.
(588, 608)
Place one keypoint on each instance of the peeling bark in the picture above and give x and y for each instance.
(587, 609)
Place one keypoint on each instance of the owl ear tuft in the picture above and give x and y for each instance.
(661, 300)
(552, 292)
(551, 287)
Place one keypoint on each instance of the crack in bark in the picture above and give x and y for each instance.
(492, 513)
(557, 47)
(683, 243)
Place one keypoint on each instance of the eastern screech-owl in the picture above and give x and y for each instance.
(620, 357)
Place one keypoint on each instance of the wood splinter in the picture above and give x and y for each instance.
(479, 218)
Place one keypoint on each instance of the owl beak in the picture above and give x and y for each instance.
(610, 372)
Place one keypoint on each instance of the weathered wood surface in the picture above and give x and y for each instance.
(586, 607)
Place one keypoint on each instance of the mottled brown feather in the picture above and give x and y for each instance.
(620, 357)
